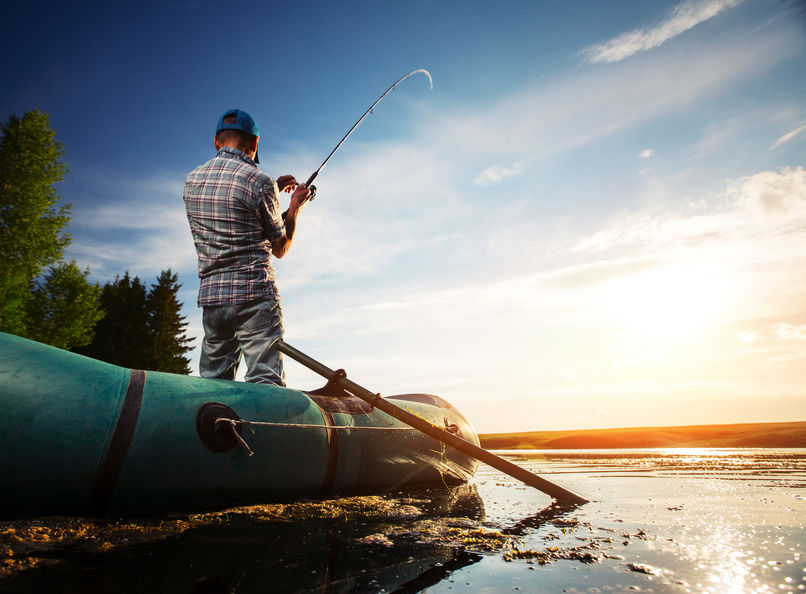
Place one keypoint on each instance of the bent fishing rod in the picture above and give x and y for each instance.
(361, 119)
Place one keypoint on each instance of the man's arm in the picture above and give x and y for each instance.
(281, 245)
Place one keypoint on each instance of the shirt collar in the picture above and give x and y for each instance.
(229, 152)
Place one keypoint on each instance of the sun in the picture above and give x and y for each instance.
(674, 303)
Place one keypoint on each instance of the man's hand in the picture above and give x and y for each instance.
(286, 183)
(299, 197)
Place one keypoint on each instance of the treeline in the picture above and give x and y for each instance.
(49, 300)
(141, 328)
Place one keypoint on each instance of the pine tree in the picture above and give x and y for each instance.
(166, 326)
(122, 336)
(142, 330)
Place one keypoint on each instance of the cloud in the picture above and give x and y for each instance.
(717, 135)
(788, 136)
(645, 154)
(733, 215)
(681, 18)
(665, 255)
(547, 119)
(153, 215)
(495, 174)
(746, 337)
(786, 331)
(143, 229)
(359, 230)
(582, 276)
(774, 192)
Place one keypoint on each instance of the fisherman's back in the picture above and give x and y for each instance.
(234, 215)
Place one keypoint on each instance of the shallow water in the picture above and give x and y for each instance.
(665, 521)
(660, 521)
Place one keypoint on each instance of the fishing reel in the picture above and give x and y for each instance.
(312, 188)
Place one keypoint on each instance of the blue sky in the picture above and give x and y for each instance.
(596, 219)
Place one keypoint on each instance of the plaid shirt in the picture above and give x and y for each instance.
(234, 216)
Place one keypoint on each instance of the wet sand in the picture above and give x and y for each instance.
(660, 521)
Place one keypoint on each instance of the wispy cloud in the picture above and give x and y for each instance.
(143, 230)
(717, 135)
(726, 240)
(748, 337)
(681, 18)
(786, 331)
(788, 136)
(543, 120)
(352, 231)
(495, 174)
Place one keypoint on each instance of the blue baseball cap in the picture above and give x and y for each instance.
(243, 122)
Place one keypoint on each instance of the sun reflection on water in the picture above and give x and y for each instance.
(709, 519)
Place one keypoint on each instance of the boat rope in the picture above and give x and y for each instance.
(234, 423)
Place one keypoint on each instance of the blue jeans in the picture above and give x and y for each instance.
(249, 328)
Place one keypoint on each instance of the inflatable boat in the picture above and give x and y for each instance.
(82, 437)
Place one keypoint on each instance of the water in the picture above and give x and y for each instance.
(675, 520)
(693, 520)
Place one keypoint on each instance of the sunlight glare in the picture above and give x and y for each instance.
(673, 303)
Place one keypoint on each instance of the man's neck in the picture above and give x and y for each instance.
(250, 154)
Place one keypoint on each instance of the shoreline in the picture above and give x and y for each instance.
(735, 435)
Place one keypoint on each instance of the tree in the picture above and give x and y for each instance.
(122, 337)
(62, 309)
(59, 308)
(167, 326)
(143, 330)
(32, 232)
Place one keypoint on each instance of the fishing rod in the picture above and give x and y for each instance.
(308, 183)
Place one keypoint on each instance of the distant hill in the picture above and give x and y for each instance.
(741, 435)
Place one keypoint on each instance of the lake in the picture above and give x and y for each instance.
(677, 520)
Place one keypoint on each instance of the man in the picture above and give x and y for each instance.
(235, 219)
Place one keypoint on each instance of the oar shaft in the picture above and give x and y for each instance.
(471, 449)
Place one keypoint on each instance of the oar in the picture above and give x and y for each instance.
(556, 491)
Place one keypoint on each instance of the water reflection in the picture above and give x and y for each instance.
(252, 550)
(544, 517)
(695, 520)
(722, 462)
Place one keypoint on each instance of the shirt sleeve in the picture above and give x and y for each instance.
(269, 211)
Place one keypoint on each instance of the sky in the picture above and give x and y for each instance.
(597, 218)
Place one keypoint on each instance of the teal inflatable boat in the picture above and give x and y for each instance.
(83, 437)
